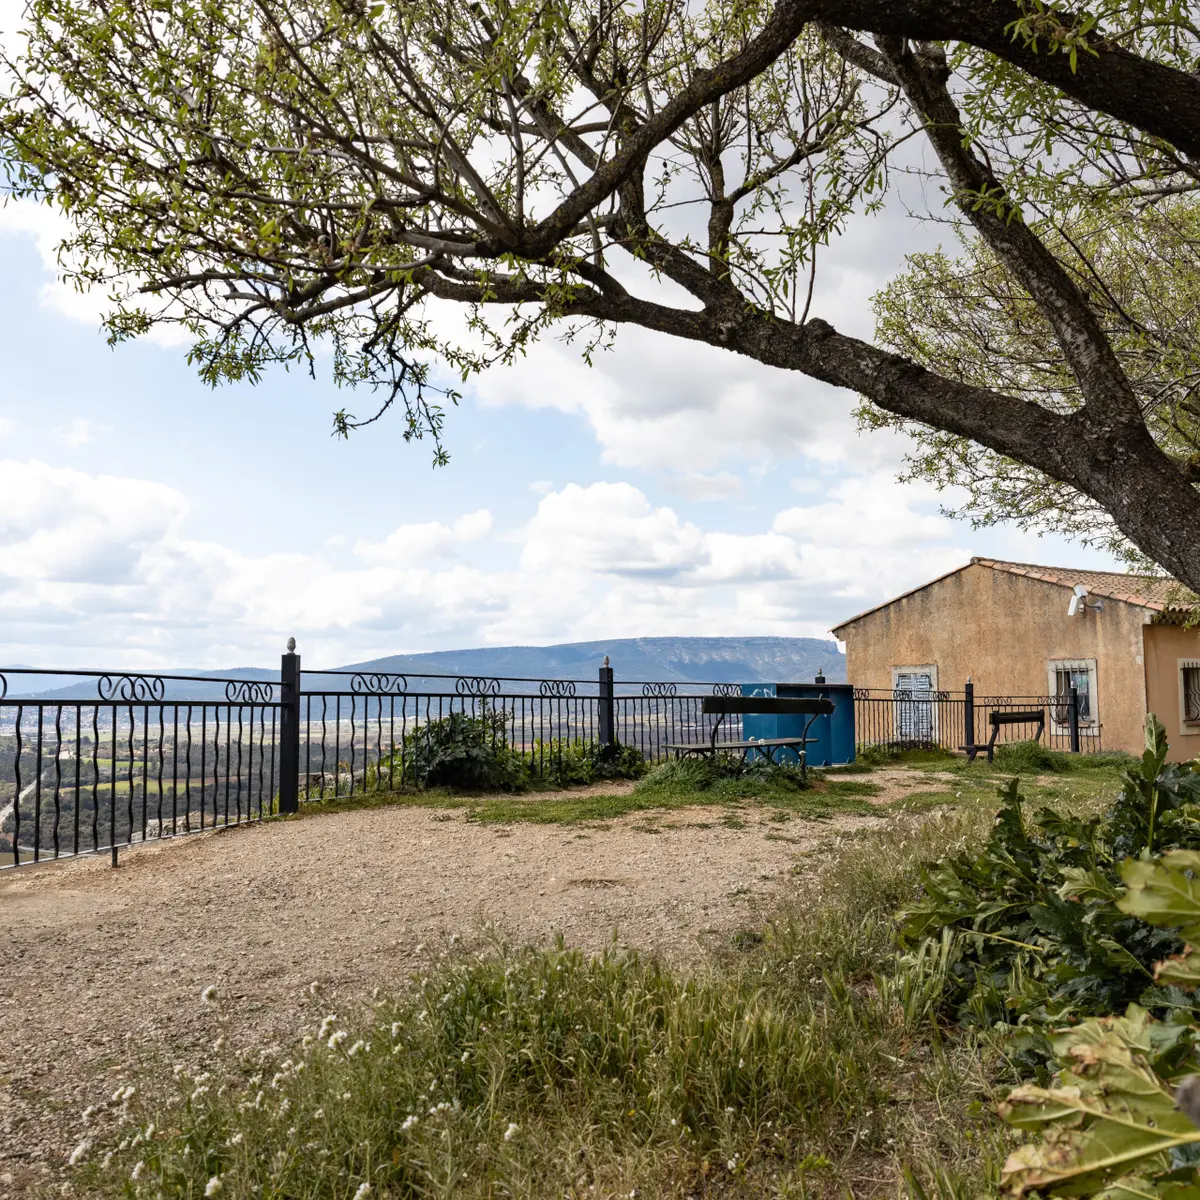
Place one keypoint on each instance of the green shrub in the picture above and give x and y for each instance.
(1031, 758)
(1037, 937)
(701, 774)
(465, 752)
(1119, 1118)
(577, 761)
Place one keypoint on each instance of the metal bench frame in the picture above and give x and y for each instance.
(725, 706)
(997, 719)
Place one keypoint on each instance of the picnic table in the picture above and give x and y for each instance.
(725, 706)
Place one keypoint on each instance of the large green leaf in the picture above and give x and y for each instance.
(1109, 1122)
(1165, 892)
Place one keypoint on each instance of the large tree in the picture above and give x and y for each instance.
(271, 173)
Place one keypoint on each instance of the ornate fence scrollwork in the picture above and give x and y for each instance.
(132, 688)
(248, 691)
(661, 690)
(862, 693)
(941, 697)
(727, 689)
(378, 683)
(3, 687)
(557, 687)
(477, 686)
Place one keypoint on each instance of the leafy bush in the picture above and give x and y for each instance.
(579, 761)
(1031, 758)
(702, 774)
(464, 751)
(1037, 935)
(1113, 1122)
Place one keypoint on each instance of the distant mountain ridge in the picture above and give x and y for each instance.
(659, 659)
(666, 659)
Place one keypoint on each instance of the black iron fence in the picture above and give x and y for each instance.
(93, 761)
(915, 718)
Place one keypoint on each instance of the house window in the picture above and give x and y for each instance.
(914, 715)
(1189, 687)
(1065, 674)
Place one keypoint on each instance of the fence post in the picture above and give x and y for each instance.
(1074, 719)
(608, 725)
(969, 712)
(289, 730)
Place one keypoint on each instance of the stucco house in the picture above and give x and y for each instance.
(1128, 643)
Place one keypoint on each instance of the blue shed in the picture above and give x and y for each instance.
(834, 733)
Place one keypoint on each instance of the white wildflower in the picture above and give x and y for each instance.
(338, 1039)
(209, 995)
(396, 1027)
(408, 1123)
(237, 1139)
(314, 988)
(512, 1131)
(219, 1044)
(364, 1190)
(179, 1070)
(214, 1187)
(732, 1163)
(106, 1161)
(80, 1152)
(89, 1112)
(346, 1096)
(465, 1055)
(306, 1041)
(327, 1024)
(357, 1048)
(285, 1106)
(318, 1114)
(200, 1092)
(138, 1167)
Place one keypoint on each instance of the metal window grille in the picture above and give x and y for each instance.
(1191, 693)
(1066, 678)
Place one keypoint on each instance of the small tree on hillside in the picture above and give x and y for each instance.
(270, 172)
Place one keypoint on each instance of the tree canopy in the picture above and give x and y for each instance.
(271, 173)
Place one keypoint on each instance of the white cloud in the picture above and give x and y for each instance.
(81, 432)
(47, 227)
(97, 568)
(416, 543)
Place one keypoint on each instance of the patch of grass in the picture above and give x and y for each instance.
(924, 801)
(800, 1061)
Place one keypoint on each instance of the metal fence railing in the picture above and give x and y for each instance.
(92, 761)
(111, 759)
(915, 718)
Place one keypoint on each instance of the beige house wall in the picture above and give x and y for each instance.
(1165, 646)
(1003, 630)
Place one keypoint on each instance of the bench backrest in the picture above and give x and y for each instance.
(769, 705)
(1018, 718)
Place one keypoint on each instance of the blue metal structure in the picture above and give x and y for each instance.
(834, 734)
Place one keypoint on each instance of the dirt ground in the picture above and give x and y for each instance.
(101, 968)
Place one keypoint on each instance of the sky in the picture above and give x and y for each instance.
(669, 490)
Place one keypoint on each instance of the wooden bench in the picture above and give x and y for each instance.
(726, 706)
(999, 719)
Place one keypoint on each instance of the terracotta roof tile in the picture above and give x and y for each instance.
(1160, 593)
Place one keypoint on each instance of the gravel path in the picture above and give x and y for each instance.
(102, 967)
